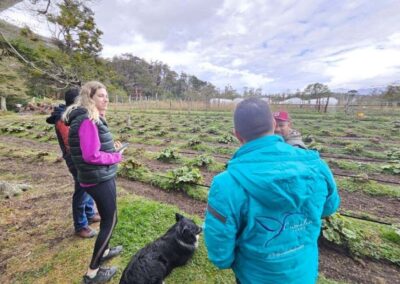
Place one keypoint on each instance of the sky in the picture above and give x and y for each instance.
(276, 45)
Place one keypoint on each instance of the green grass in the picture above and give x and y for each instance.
(370, 187)
(141, 221)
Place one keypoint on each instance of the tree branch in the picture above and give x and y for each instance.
(12, 49)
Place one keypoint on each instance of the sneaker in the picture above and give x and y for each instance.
(86, 232)
(96, 218)
(113, 252)
(103, 275)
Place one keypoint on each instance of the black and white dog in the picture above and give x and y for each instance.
(154, 262)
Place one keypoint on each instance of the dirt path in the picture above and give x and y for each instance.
(28, 219)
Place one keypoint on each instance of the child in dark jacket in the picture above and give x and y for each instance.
(83, 209)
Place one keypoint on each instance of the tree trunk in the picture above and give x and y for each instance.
(3, 106)
(327, 103)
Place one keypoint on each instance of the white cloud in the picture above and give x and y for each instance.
(276, 45)
(361, 65)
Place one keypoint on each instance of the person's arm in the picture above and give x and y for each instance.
(332, 200)
(222, 223)
(90, 146)
(63, 130)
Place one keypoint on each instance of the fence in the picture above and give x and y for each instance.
(186, 105)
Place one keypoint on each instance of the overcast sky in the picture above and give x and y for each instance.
(277, 45)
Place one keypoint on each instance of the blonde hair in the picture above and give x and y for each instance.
(84, 100)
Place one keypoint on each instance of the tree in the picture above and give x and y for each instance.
(318, 91)
(392, 93)
(348, 100)
(12, 90)
(229, 92)
(75, 28)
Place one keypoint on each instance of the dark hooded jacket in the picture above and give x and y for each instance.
(61, 130)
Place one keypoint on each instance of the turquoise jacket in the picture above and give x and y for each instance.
(264, 212)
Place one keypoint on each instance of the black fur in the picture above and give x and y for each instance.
(154, 262)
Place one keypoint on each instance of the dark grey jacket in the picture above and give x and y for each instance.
(88, 173)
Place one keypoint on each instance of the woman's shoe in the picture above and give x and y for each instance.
(103, 275)
(113, 252)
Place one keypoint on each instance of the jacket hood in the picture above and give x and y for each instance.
(74, 114)
(56, 114)
(270, 171)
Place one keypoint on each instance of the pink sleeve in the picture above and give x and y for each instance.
(90, 146)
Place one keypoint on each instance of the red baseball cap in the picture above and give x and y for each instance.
(281, 115)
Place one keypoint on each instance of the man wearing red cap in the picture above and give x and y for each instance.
(284, 128)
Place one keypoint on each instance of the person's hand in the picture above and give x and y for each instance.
(120, 147)
(122, 150)
(117, 145)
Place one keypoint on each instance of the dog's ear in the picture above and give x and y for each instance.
(178, 217)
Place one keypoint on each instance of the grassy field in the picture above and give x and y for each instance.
(181, 151)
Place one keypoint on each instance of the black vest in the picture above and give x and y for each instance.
(88, 173)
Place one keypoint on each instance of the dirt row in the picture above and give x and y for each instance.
(382, 206)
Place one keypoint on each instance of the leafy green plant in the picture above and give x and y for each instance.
(363, 178)
(308, 138)
(154, 127)
(393, 154)
(354, 148)
(125, 129)
(195, 129)
(335, 230)
(178, 179)
(11, 129)
(326, 133)
(133, 169)
(167, 155)
(391, 168)
(317, 146)
(185, 175)
(161, 133)
(202, 160)
(194, 141)
(213, 130)
(226, 139)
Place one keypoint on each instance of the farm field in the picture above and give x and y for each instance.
(170, 162)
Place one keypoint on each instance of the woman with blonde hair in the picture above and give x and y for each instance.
(94, 155)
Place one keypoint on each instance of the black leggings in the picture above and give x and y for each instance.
(104, 194)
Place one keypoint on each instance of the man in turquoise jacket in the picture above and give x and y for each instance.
(264, 212)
